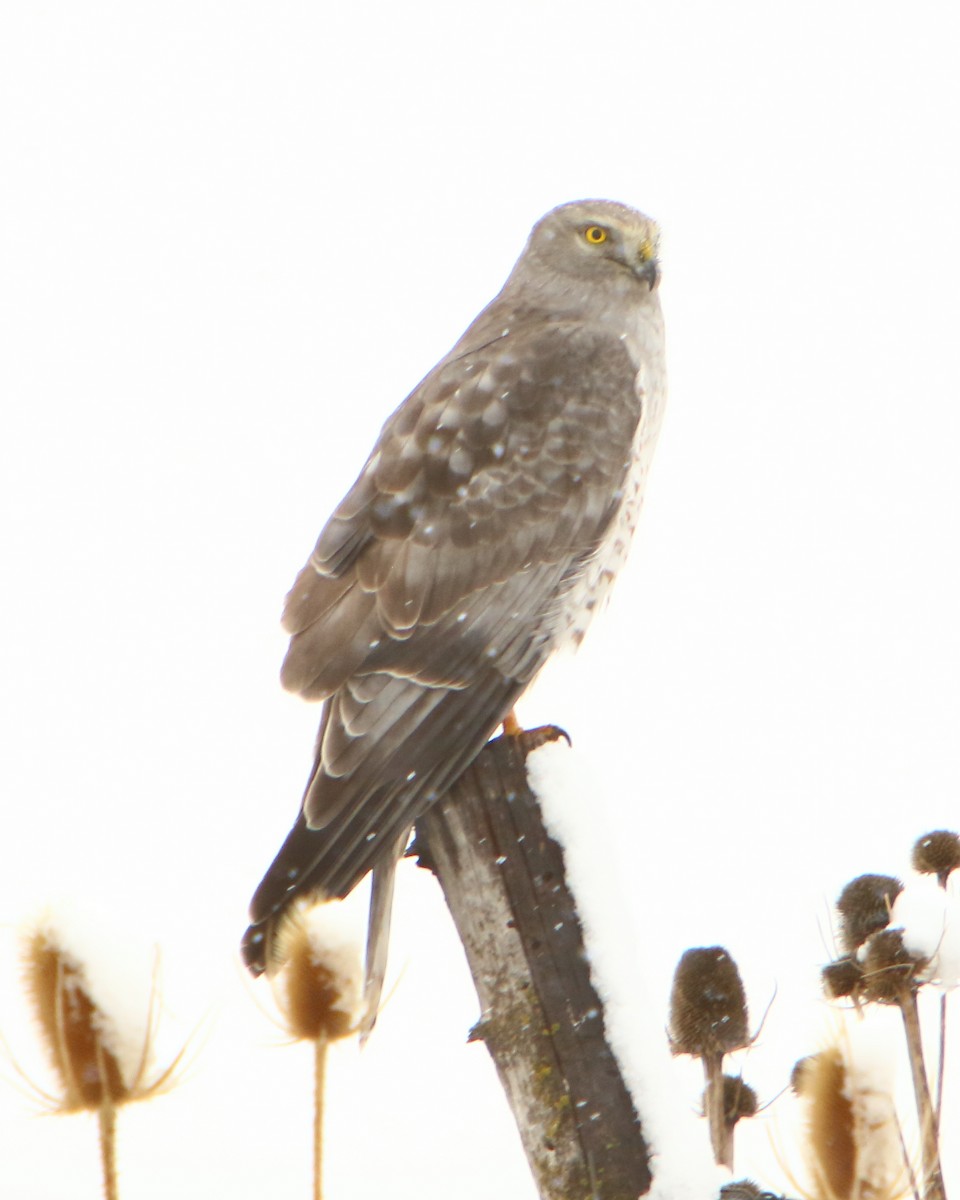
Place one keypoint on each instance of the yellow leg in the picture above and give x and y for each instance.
(530, 739)
(511, 726)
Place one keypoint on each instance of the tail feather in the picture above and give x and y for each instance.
(378, 935)
(330, 861)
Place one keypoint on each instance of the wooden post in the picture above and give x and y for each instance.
(541, 1019)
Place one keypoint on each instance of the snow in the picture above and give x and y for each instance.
(930, 918)
(335, 944)
(576, 817)
(871, 1064)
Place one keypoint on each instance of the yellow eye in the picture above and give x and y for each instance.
(596, 235)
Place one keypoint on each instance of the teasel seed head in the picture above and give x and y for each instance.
(319, 988)
(739, 1099)
(842, 978)
(94, 1059)
(864, 907)
(708, 1007)
(889, 970)
(820, 1080)
(746, 1189)
(937, 853)
(851, 1136)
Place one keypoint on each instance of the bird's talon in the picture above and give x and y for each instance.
(532, 739)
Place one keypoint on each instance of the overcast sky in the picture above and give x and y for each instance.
(233, 237)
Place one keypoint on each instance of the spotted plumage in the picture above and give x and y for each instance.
(481, 535)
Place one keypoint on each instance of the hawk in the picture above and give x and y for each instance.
(482, 534)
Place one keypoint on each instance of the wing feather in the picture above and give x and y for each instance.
(433, 593)
(334, 858)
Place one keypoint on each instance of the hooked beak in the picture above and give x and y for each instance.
(646, 265)
(648, 272)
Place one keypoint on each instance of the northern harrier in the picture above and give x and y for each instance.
(482, 533)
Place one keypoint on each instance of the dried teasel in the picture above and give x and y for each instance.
(820, 1080)
(889, 970)
(929, 912)
(98, 1062)
(708, 1006)
(95, 1060)
(746, 1189)
(841, 979)
(892, 974)
(319, 991)
(864, 907)
(739, 1100)
(937, 853)
(708, 1019)
(851, 1139)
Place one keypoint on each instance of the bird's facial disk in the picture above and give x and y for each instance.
(633, 248)
(583, 242)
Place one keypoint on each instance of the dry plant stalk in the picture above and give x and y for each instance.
(708, 1019)
(319, 993)
(938, 853)
(890, 977)
(80, 1040)
(878, 968)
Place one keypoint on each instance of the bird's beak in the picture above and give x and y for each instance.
(646, 265)
(649, 272)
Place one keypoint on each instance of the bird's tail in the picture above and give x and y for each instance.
(378, 935)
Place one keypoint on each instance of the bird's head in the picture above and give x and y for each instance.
(596, 242)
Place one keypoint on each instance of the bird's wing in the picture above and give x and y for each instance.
(505, 460)
(432, 596)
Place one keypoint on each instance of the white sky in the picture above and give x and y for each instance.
(233, 236)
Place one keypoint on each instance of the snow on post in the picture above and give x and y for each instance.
(574, 815)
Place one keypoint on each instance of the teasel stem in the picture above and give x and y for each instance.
(721, 1134)
(319, 1081)
(938, 853)
(107, 1123)
(929, 1149)
(107, 1120)
(943, 1059)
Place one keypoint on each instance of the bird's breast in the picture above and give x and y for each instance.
(590, 588)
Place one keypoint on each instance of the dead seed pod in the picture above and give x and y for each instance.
(708, 1006)
(864, 907)
(96, 1062)
(851, 1137)
(841, 979)
(319, 988)
(937, 853)
(739, 1099)
(319, 991)
(78, 1038)
(708, 1019)
(99, 1063)
(746, 1189)
(893, 975)
(889, 970)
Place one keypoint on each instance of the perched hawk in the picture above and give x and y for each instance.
(483, 532)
